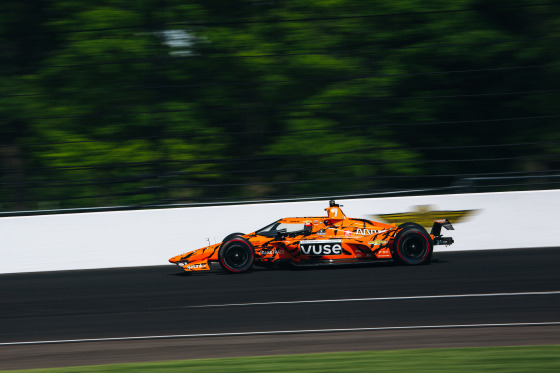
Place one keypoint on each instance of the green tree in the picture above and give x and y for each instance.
(104, 103)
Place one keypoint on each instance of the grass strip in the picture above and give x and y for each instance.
(534, 359)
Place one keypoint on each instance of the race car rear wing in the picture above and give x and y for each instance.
(436, 232)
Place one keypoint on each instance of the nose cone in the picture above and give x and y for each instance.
(175, 259)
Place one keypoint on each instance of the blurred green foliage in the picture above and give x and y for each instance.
(110, 103)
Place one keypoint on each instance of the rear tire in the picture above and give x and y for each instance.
(413, 224)
(412, 245)
(236, 255)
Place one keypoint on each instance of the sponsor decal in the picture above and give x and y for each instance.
(321, 232)
(425, 216)
(384, 254)
(378, 242)
(201, 266)
(320, 247)
(366, 232)
(269, 253)
(347, 233)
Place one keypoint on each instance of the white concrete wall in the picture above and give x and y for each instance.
(150, 237)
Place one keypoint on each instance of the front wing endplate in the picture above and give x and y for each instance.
(196, 266)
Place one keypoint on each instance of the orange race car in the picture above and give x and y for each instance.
(312, 241)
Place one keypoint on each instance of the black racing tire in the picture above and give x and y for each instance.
(412, 245)
(236, 255)
(231, 236)
(412, 224)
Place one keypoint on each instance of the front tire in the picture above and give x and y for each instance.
(413, 245)
(236, 255)
(231, 236)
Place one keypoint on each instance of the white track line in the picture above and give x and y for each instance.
(527, 324)
(379, 299)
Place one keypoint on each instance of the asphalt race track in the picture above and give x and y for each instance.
(475, 298)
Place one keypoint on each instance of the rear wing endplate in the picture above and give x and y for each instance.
(436, 228)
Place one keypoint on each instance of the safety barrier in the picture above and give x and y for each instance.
(150, 237)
